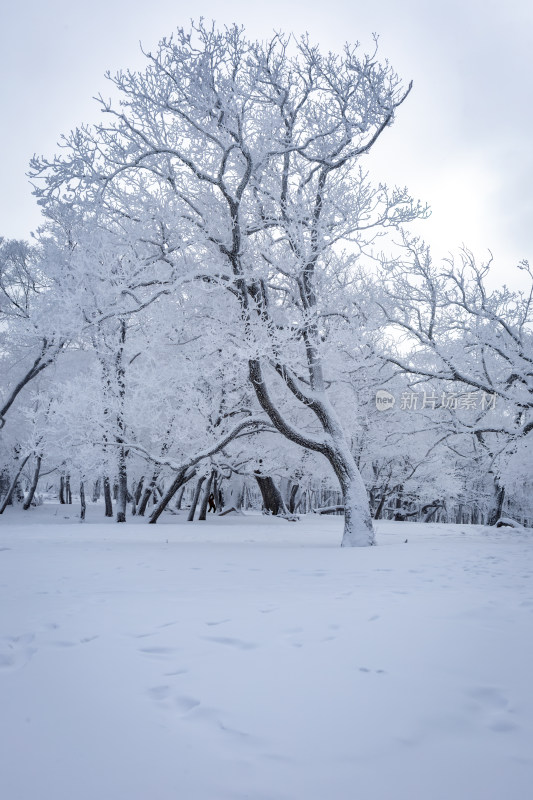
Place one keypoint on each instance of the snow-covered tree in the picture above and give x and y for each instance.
(247, 155)
(33, 333)
(467, 346)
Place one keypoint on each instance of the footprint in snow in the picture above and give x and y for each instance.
(489, 697)
(493, 707)
(164, 697)
(238, 643)
(161, 653)
(159, 693)
(15, 651)
(367, 670)
(185, 704)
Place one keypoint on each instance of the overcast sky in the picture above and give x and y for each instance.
(462, 142)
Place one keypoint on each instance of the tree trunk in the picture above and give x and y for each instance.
(62, 490)
(178, 482)
(496, 510)
(217, 492)
(122, 493)
(96, 490)
(8, 497)
(4, 482)
(147, 494)
(138, 490)
(33, 487)
(131, 498)
(203, 506)
(196, 495)
(381, 504)
(179, 498)
(120, 374)
(68, 491)
(292, 497)
(358, 531)
(430, 511)
(83, 505)
(272, 500)
(107, 498)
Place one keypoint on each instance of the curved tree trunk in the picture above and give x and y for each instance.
(179, 481)
(358, 530)
(33, 487)
(179, 498)
(9, 495)
(292, 497)
(147, 494)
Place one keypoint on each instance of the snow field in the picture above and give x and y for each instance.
(248, 657)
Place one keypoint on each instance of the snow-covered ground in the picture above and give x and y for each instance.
(249, 657)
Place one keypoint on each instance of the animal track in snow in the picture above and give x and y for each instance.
(489, 697)
(493, 707)
(164, 697)
(368, 671)
(159, 693)
(15, 651)
(238, 643)
(158, 652)
(185, 704)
